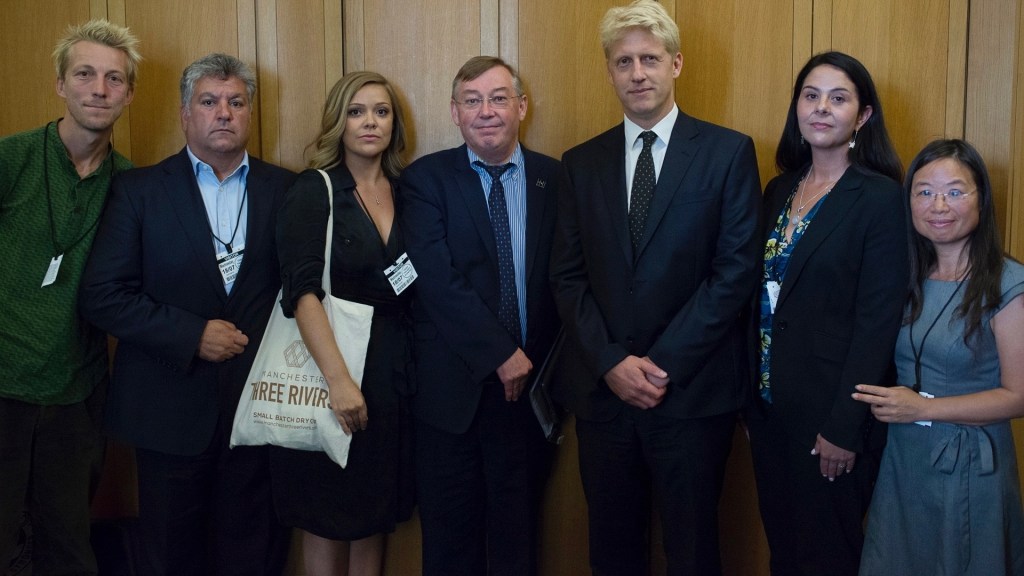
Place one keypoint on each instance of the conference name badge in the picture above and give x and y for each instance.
(401, 274)
(229, 263)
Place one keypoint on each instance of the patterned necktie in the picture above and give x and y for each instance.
(644, 180)
(508, 306)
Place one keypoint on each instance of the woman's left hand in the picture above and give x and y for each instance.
(898, 404)
(832, 459)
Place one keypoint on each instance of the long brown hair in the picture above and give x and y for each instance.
(984, 253)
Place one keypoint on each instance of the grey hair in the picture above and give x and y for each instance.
(220, 66)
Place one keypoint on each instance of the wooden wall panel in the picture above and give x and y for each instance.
(990, 94)
(173, 35)
(737, 67)
(420, 52)
(294, 81)
(911, 76)
(563, 68)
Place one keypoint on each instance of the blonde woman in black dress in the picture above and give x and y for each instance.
(344, 512)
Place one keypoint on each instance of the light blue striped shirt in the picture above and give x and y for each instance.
(226, 205)
(514, 182)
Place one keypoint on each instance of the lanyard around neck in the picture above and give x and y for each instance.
(57, 249)
(238, 220)
(919, 351)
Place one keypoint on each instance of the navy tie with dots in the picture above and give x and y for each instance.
(644, 181)
(508, 306)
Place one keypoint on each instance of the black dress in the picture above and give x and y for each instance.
(374, 491)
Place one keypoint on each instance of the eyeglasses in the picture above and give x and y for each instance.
(954, 196)
(500, 102)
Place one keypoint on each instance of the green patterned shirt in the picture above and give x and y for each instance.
(48, 353)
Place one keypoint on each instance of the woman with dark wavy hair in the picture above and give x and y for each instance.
(948, 496)
(832, 288)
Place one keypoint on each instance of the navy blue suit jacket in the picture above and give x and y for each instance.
(152, 281)
(680, 297)
(459, 340)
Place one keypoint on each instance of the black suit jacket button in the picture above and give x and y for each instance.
(782, 325)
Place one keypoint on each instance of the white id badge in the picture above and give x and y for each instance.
(51, 271)
(401, 273)
(774, 288)
(229, 263)
(925, 422)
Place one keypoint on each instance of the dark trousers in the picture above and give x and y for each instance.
(47, 459)
(813, 526)
(479, 492)
(209, 514)
(680, 462)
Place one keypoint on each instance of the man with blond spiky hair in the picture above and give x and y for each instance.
(53, 184)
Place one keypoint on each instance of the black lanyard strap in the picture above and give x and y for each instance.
(919, 351)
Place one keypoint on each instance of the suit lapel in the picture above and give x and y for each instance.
(257, 214)
(612, 179)
(535, 207)
(183, 194)
(472, 194)
(682, 148)
(834, 208)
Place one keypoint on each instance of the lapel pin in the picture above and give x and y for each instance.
(541, 183)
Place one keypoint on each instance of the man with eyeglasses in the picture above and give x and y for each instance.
(478, 221)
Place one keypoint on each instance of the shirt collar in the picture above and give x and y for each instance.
(241, 170)
(663, 128)
(516, 159)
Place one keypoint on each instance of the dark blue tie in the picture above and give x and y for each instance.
(644, 181)
(508, 306)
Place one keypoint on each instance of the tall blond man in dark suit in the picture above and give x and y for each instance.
(653, 266)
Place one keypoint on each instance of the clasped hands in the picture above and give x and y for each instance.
(638, 382)
(221, 341)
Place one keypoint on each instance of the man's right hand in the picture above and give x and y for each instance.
(221, 341)
(513, 373)
(629, 381)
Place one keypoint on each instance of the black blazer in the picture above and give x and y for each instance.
(680, 298)
(152, 282)
(459, 340)
(840, 306)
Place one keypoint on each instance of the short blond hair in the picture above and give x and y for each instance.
(646, 14)
(98, 31)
